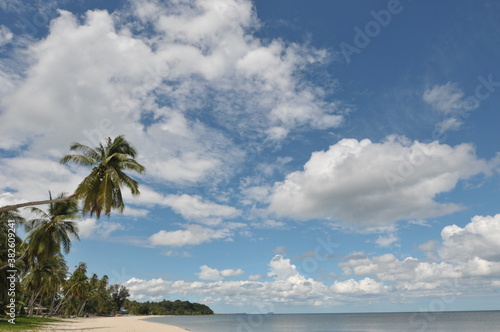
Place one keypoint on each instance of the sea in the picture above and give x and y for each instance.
(456, 321)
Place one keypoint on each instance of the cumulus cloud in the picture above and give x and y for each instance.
(467, 253)
(468, 259)
(366, 286)
(281, 268)
(478, 239)
(294, 289)
(376, 184)
(192, 235)
(207, 273)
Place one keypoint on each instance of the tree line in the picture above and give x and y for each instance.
(167, 308)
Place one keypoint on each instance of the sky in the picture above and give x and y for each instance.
(301, 156)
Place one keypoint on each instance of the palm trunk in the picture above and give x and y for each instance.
(80, 312)
(52, 304)
(62, 302)
(31, 303)
(49, 201)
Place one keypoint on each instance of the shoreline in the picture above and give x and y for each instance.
(111, 324)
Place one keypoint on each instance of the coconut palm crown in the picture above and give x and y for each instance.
(100, 191)
(49, 232)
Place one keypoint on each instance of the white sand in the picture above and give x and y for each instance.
(111, 324)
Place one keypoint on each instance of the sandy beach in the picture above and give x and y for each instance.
(112, 324)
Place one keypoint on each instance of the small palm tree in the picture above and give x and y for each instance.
(44, 280)
(77, 291)
(101, 189)
(50, 232)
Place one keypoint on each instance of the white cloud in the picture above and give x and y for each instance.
(469, 254)
(232, 273)
(445, 98)
(192, 235)
(449, 124)
(207, 273)
(281, 268)
(450, 101)
(5, 35)
(384, 275)
(365, 286)
(386, 241)
(26, 179)
(256, 277)
(376, 184)
(90, 228)
(478, 239)
(196, 209)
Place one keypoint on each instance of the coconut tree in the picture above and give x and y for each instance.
(50, 233)
(101, 189)
(43, 280)
(76, 291)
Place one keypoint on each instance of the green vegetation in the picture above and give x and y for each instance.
(33, 271)
(26, 323)
(167, 308)
(41, 283)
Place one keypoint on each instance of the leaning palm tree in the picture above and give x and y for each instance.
(50, 232)
(101, 189)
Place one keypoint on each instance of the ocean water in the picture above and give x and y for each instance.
(483, 321)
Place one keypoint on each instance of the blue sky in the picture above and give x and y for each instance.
(321, 156)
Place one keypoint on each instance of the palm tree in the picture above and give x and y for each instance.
(76, 291)
(101, 189)
(44, 280)
(50, 232)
